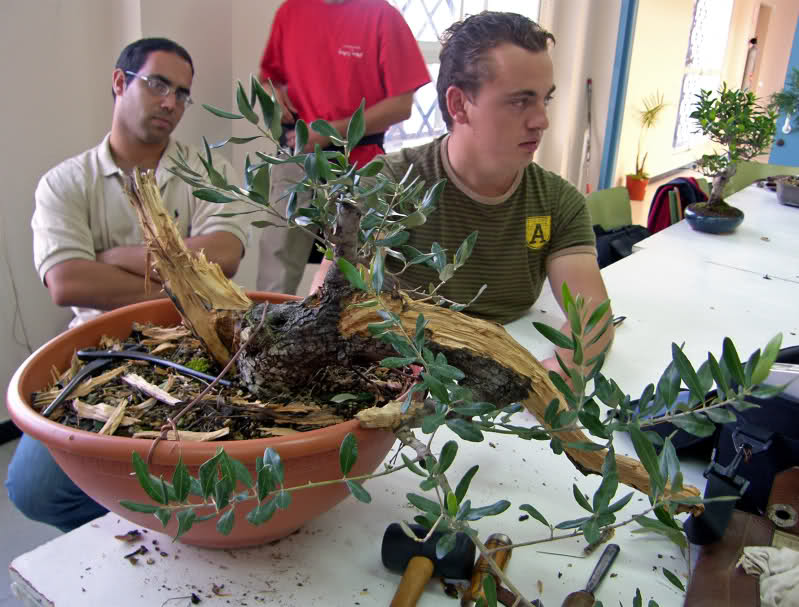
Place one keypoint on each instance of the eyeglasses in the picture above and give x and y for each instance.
(161, 88)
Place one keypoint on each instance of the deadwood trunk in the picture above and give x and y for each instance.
(296, 339)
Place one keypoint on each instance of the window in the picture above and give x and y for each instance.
(428, 19)
(707, 46)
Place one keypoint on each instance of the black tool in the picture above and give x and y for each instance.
(130, 354)
(100, 359)
(83, 373)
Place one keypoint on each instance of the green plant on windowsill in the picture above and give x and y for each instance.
(363, 217)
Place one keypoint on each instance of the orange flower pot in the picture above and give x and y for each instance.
(101, 465)
(636, 187)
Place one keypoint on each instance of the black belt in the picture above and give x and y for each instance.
(373, 139)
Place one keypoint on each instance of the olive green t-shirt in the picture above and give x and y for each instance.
(542, 216)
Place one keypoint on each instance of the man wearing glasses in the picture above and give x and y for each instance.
(88, 243)
(87, 240)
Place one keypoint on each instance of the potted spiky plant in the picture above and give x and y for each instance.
(734, 120)
(648, 117)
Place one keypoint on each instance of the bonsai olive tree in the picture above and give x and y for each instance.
(734, 120)
(470, 385)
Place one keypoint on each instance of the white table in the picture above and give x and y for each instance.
(674, 297)
(667, 293)
(335, 560)
(766, 243)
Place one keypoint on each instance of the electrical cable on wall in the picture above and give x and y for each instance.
(17, 321)
(584, 181)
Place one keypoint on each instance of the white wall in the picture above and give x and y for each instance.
(204, 28)
(777, 48)
(53, 106)
(585, 34)
(252, 20)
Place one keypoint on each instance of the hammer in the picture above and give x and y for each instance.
(417, 561)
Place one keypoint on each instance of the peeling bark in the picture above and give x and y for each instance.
(301, 336)
(207, 300)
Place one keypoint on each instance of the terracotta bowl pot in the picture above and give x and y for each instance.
(101, 465)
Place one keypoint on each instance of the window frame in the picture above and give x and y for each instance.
(684, 138)
(412, 132)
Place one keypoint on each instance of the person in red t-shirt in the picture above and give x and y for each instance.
(323, 57)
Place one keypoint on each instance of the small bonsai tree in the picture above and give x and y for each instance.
(653, 106)
(744, 129)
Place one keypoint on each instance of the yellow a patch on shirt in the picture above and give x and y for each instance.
(537, 231)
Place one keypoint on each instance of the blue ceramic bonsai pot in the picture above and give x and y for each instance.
(712, 224)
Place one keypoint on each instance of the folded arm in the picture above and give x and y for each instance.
(116, 278)
(221, 247)
(92, 284)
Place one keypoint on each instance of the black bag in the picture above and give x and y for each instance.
(747, 455)
(774, 414)
(613, 245)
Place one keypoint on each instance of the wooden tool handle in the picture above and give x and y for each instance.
(417, 574)
(482, 568)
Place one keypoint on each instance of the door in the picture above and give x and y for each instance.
(785, 150)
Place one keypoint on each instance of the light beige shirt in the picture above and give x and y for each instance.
(82, 209)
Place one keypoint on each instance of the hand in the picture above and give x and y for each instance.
(319, 277)
(313, 139)
(282, 96)
(131, 258)
(551, 364)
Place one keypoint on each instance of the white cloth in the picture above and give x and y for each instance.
(778, 569)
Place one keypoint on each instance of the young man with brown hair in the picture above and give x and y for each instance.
(494, 85)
